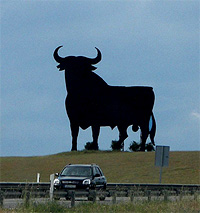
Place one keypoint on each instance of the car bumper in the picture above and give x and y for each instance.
(71, 187)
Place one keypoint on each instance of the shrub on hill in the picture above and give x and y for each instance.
(135, 147)
(116, 145)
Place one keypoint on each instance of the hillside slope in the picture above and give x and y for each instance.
(122, 167)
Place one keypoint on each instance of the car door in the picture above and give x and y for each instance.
(102, 179)
(97, 177)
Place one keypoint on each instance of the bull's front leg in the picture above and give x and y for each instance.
(95, 135)
(74, 132)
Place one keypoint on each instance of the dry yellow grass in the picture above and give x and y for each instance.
(122, 167)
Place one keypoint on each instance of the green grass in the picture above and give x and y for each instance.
(122, 167)
(139, 207)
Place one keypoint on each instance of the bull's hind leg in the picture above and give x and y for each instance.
(95, 135)
(74, 132)
(143, 136)
(122, 136)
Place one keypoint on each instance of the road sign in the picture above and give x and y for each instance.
(162, 158)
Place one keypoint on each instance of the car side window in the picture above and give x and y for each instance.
(100, 172)
(96, 171)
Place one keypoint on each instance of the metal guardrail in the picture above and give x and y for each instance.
(42, 190)
(24, 185)
(154, 187)
(44, 186)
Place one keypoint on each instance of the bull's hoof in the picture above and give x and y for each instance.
(91, 146)
(74, 149)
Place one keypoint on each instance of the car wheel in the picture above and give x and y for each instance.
(92, 194)
(68, 198)
(102, 192)
(56, 198)
(90, 198)
(102, 197)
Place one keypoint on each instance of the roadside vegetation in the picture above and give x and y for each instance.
(139, 207)
(121, 167)
(118, 167)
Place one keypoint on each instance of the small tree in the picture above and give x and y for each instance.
(116, 145)
(90, 146)
(134, 146)
(149, 147)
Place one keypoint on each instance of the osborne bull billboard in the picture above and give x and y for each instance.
(91, 102)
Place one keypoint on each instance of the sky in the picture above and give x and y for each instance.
(143, 43)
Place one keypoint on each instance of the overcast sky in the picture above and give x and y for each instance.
(152, 43)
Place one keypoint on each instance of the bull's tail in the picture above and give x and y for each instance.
(152, 130)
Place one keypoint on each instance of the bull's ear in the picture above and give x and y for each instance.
(93, 68)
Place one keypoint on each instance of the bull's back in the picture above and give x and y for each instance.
(136, 96)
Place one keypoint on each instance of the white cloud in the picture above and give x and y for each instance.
(196, 115)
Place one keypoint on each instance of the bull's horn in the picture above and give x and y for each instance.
(97, 59)
(56, 56)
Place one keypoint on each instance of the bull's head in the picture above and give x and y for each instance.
(76, 63)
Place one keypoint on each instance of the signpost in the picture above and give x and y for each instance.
(38, 177)
(52, 176)
(162, 158)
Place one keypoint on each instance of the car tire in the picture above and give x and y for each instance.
(56, 198)
(68, 198)
(102, 198)
(90, 198)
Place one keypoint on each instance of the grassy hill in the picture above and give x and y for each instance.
(122, 167)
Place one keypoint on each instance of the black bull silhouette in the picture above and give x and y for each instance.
(92, 102)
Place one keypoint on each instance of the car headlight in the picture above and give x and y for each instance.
(87, 182)
(56, 182)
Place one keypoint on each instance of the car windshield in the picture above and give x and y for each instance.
(77, 171)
